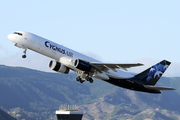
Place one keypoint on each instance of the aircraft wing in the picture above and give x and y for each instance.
(103, 67)
(158, 87)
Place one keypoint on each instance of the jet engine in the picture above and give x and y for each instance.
(58, 67)
(82, 65)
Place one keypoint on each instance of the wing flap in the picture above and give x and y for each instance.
(158, 87)
(113, 66)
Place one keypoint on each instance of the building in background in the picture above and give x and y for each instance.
(69, 112)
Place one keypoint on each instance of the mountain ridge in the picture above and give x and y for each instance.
(41, 93)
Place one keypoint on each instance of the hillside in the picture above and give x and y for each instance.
(5, 116)
(31, 94)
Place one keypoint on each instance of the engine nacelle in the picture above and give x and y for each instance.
(58, 67)
(82, 65)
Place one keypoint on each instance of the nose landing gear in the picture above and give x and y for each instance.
(24, 56)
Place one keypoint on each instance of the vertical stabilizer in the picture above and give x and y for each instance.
(153, 74)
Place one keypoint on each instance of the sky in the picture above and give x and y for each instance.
(116, 31)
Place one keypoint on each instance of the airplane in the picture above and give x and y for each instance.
(65, 59)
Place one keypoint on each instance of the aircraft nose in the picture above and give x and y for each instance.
(10, 37)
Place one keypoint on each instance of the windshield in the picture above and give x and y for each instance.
(18, 33)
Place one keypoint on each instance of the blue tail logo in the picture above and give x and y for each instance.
(157, 70)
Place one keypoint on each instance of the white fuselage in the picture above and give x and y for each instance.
(60, 53)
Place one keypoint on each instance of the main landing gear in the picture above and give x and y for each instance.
(24, 56)
(82, 76)
(87, 78)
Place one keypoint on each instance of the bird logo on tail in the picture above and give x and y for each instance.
(157, 70)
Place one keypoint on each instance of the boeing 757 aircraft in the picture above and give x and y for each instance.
(65, 59)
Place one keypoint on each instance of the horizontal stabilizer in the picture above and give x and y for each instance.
(158, 87)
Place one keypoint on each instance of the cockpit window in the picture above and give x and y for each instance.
(18, 33)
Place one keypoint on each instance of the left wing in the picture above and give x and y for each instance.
(103, 67)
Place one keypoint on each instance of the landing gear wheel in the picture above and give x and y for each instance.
(23, 56)
(78, 78)
(87, 78)
(91, 80)
(81, 81)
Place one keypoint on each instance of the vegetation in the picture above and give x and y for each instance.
(30, 94)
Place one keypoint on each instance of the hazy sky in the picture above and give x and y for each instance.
(121, 31)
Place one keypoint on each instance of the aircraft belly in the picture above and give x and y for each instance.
(130, 85)
(119, 74)
(101, 76)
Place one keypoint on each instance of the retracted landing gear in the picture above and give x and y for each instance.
(24, 56)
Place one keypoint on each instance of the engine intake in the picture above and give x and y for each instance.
(58, 67)
(82, 65)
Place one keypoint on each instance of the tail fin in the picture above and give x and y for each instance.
(153, 74)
